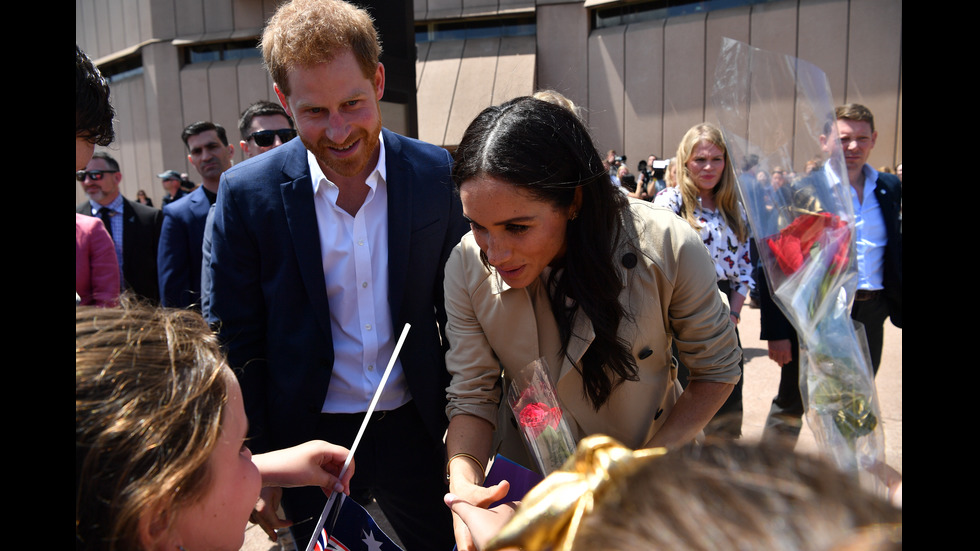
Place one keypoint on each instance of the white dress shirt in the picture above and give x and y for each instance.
(354, 250)
(116, 231)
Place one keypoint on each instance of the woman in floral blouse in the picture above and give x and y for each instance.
(706, 197)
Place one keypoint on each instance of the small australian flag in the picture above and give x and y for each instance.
(353, 529)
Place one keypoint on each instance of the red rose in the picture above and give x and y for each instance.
(842, 254)
(793, 244)
(537, 416)
(788, 252)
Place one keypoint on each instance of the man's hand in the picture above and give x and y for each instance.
(780, 351)
(266, 512)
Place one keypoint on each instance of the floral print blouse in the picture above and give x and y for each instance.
(732, 259)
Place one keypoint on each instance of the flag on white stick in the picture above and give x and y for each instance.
(325, 531)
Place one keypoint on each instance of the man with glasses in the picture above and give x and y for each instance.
(264, 126)
(134, 228)
(179, 257)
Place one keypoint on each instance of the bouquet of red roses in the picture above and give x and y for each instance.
(805, 234)
(822, 240)
(533, 399)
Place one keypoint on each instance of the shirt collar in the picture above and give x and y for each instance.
(870, 174)
(115, 206)
(379, 174)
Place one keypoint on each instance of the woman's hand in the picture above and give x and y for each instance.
(482, 524)
(468, 443)
(315, 463)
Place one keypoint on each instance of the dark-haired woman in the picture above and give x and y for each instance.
(561, 265)
(142, 197)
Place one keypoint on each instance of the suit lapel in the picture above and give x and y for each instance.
(886, 201)
(400, 177)
(197, 198)
(130, 241)
(200, 208)
(297, 199)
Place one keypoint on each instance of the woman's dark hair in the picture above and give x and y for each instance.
(93, 113)
(546, 151)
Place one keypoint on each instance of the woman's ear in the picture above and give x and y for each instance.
(576, 203)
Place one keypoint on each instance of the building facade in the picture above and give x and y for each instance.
(642, 71)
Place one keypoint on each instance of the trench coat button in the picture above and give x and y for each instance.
(659, 413)
(629, 260)
(645, 353)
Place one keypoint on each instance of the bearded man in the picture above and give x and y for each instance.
(324, 248)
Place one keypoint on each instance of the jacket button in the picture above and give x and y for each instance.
(645, 353)
(629, 260)
(659, 413)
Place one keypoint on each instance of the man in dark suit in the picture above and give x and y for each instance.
(135, 228)
(179, 256)
(263, 125)
(324, 248)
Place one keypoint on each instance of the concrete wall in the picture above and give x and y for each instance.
(459, 78)
(641, 86)
(153, 107)
(649, 82)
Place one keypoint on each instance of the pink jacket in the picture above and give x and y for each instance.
(96, 267)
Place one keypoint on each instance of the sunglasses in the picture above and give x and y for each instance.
(265, 138)
(95, 175)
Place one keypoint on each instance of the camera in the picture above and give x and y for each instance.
(644, 169)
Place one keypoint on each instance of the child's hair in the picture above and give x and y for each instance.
(718, 495)
(149, 399)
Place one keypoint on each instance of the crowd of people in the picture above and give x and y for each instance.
(712, 208)
(261, 308)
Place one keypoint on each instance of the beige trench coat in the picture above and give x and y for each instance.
(670, 293)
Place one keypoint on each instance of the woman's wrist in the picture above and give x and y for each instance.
(465, 467)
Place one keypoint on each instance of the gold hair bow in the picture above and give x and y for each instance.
(551, 513)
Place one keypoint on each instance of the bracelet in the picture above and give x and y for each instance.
(738, 317)
(483, 469)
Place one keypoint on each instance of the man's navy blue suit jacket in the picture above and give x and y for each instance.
(270, 299)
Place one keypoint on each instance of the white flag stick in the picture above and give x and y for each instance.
(360, 433)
